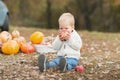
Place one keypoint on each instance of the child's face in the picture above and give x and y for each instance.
(65, 25)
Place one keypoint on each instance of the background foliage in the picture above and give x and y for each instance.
(100, 15)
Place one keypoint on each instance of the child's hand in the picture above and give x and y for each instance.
(64, 35)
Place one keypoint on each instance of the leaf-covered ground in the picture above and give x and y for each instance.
(100, 57)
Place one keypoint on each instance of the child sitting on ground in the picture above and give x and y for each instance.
(67, 43)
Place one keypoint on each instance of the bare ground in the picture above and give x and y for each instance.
(100, 57)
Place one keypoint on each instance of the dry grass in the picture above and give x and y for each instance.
(100, 58)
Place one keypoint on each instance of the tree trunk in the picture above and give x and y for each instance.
(22, 4)
(101, 9)
(87, 15)
(101, 15)
(49, 14)
(112, 18)
(77, 24)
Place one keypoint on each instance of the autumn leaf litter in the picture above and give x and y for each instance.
(100, 57)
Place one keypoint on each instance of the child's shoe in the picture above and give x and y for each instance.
(42, 62)
(62, 64)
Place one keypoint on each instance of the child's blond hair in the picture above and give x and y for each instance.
(67, 17)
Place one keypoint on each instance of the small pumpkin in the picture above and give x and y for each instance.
(10, 47)
(15, 33)
(0, 43)
(20, 40)
(27, 48)
(37, 37)
(5, 36)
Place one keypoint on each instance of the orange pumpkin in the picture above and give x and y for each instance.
(27, 48)
(15, 33)
(5, 36)
(10, 47)
(37, 37)
(0, 43)
(20, 40)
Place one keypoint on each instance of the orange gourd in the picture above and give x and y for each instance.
(15, 33)
(36, 37)
(10, 47)
(27, 48)
(0, 43)
(5, 36)
(20, 40)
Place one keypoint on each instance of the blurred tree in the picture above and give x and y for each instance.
(49, 14)
(82, 9)
(77, 14)
(101, 15)
(112, 18)
(21, 8)
(87, 15)
(75, 10)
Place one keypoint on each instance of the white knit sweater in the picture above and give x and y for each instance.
(70, 48)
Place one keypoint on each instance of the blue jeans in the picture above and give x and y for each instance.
(71, 63)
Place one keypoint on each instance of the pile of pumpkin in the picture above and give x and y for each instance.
(12, 43)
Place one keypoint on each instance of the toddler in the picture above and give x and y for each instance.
(67, 43)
